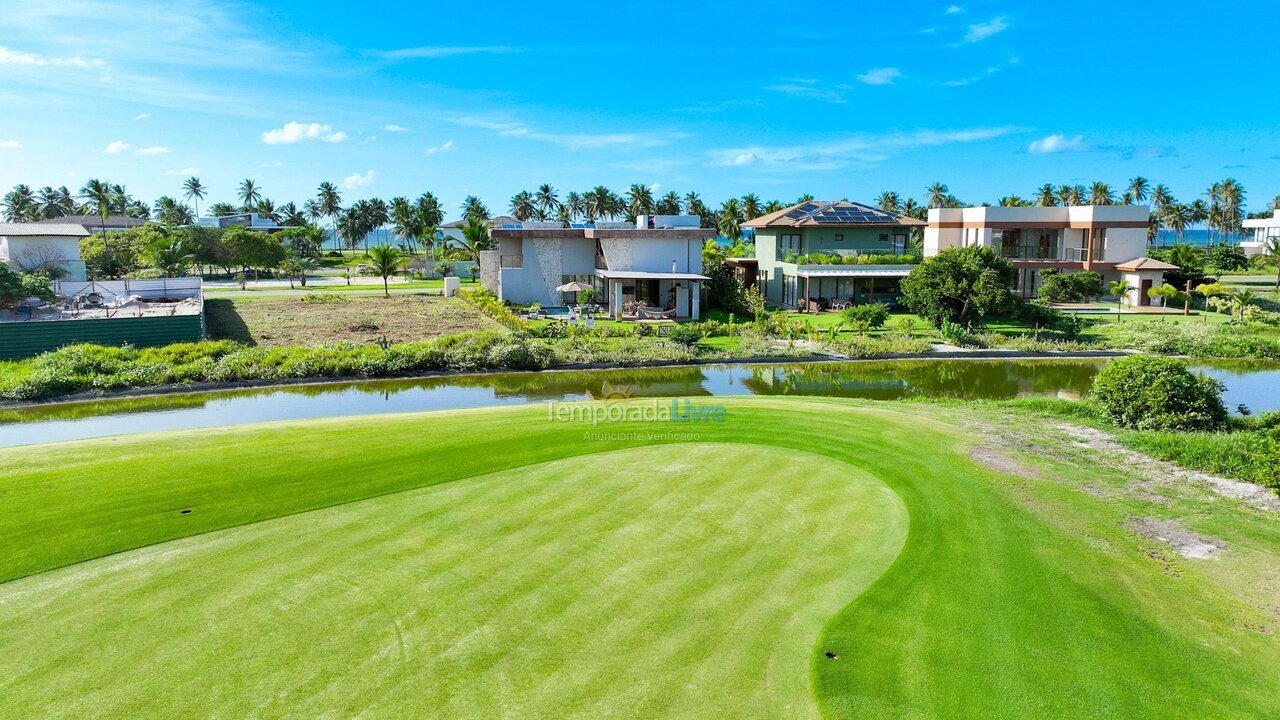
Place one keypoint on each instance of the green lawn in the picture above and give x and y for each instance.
(493, 563)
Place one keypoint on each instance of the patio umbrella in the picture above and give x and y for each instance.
(573, 287)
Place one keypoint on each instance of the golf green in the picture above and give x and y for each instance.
(803, 558)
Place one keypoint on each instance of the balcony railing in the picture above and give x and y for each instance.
(511, 261)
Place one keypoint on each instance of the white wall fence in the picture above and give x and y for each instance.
(187, 287)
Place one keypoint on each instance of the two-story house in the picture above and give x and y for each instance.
(1108, 239)
(815, 254)
(652, 267)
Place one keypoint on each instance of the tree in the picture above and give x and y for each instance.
(1138, 190)
(249, 195)
(329, 203)
(98, 196)
(193, 190)
(545, 200)
(889, 201)
(731, 219)
(1058, 287)
(1121, 289)
(1046, 196)
(475, 238)
(1100, 194)
(522, 207)
(386, 261)
(1167, 294)
(444, 269)
(1226, 257)
(171, 259)
(172, 212)
(936, 195)
(17, 287)
(960, 285)
(1209, 291)
(110, 259)
(668, 204)
(1239, 300)
(1149, 392)
(41, 258)
(55, 203)
(250, 249)
(474, 210)
(20, 205)
(1271, 251)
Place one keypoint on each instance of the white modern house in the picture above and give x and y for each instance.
(1107, 239)
(647, 269)
(250, 220)
(1263, 229)
(34, 246)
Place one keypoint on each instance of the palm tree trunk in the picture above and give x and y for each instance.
(386, 289)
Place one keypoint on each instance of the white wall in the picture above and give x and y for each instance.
(14, 248)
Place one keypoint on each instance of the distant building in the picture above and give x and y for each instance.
(95, 223)
(795, 248)
(30, 246)
(1263, 228)
(1108, 239)
(250, 220)
(648, 269)
(451, 232)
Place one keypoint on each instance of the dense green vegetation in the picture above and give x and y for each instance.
(339, 566)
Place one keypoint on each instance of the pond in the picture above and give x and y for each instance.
(1254, 385)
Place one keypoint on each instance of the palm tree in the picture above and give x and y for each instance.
(378, 215)
(545, 200)
(573, 205)
(20, 205)
(171, 259)
(474, 210)
(669, 204)
(639, 200)
(475, 238)
(171, 212)
(1138, 190)
(193, 190)
(1100, 194)
(889, 201)
(329, 203)
(222, 209)
(386, 261)
(99, 196)
(54, 203)
(936, 195)
(405, 221)
(731, 219)
(774, 206)
(598, 203)
(808, 197)
(266, 209)
(250, 194)
(1121, 289)
(1271, 250)
(1209, 291)
(1177, 217)
(289, 214)
(522, 205)
(1046, 196)
(351, 227)
(1240, 299)
(430, 215)
(1161, 198)
(751, 206)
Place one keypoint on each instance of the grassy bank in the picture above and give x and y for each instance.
(515, 567)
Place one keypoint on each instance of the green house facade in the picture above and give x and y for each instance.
(816, 254)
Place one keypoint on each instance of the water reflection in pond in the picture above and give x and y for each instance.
(1258, 386)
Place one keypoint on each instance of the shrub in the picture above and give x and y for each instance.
(323, 298)
(686, 334)
(960, 285)
(1069, 287)
(871, 315)
(489, 304)
(1265, 452)
(1157, 393)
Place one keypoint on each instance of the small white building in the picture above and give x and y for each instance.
(1107, 239)
(29, 247)
(1263, 229)
(650, 268)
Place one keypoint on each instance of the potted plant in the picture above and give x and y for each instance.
(535, 310)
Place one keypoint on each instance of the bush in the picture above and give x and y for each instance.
(1265, 452)
(960, 285)
(1060, 287)
(686, 334)
(1157, 393)
(871, 315)
(489, 304)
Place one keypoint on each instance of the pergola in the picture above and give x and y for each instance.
(828, 282)
(615, 280)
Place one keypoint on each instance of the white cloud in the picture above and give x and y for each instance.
(953, 9)
(982, 31)
(865, 148)
(395, 128)
(810, 88)
(16, 57)
(293, 132)
(10, 145)
(1057, 144)
(141, 116)
(275, 164)
(184, 172)
(116, 147)
(443, 148)
(357, 180)
(154, 150)
(442, 51)
(570, 141)
(880, 76)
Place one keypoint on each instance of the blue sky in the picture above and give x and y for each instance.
(489, 98)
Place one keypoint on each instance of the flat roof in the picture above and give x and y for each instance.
(62, 229)
(642, 275)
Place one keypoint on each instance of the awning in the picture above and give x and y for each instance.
(640, 275)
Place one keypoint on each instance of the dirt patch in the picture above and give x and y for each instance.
(1170, 532)
(997, 459)
(281, 321)
(1157, 472)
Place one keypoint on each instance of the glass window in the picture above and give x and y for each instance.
(839, 237)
